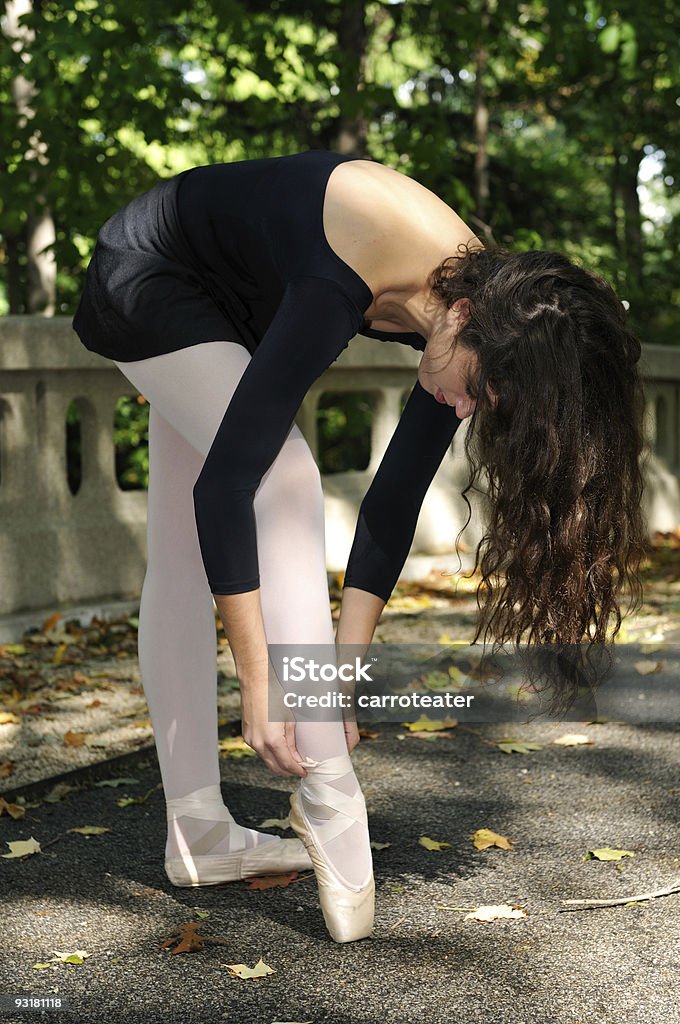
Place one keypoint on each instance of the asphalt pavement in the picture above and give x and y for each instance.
(106, 895)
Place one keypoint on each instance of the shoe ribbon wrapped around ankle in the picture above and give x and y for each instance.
(348, 809)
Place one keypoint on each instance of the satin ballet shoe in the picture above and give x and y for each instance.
(200, 867)
(348, 910)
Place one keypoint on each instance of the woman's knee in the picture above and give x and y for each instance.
(293, 480)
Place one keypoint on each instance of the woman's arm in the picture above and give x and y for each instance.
(314, 323)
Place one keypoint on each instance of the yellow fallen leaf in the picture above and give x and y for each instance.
(379, 846)
(9, 718)
(425, 724)
(648, 668)
(606, 853)
(22, 848)
(243, 971)
(77, 956)
(432, 844)
(572, 739)
(74, 739)
(59, 654)
(14, 810)
(512, 746)
(484, 838)
(235, 747)
(89, 830)
(275, 823)
(497, 913)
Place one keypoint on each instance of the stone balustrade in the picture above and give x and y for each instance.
(59, 548)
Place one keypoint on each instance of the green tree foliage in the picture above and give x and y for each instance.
(549, 106)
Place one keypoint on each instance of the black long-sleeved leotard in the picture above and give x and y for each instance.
(238, 252)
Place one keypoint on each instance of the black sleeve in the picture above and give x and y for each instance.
(389, 512)
(313, 324)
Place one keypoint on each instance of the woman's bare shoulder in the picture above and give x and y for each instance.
(388, 227)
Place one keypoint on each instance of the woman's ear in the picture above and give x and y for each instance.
(462, 307)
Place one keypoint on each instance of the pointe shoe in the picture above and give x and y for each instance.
(347, 910)
(200, 867)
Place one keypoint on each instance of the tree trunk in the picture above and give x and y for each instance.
(40, 234)
(481, 127)
(352, 129)
(632, 224)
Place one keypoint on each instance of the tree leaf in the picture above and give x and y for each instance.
(77, 956)
(235, 747)
(512, 746)
(275, 823)
(379, 846)
(74, 739)
(117, 782)
(14, 810)
(89, 830)
(188, 939)
(425, 724)
(432, 844)
(495, 913)
(483, 838)
(281, 881)
(22, 848)
(260, 970)
(606, 853)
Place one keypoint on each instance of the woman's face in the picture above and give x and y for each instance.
(448, 370)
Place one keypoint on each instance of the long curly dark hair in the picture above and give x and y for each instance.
(561, 446)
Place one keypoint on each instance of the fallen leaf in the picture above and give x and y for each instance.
(59, 654)
(15, 650)
(432, 844)
(117, 782)
(22, 848)
(425, 724)
(127, 801)
(606, 853)
(260, 970)
(483, 838)
(58, 792)
(74, 739)
(573, 739)
(275, 823)
(78, 956)
(187, 939)
(272, 881)
(14, 810)
(9, 718)
(202, 913)
(497, 913)
(368, 734)
(50, 623)
(6, 769)
(235, 747)
(648, 668)
(379, 846)
(511, 746)
(89, 830)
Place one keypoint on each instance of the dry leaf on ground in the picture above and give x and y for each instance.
(22, 848)
(501, 912)
(432, 844)
(484, 838)
(243, 971)
(573, 739)
(513, 746)
(187, 939)
(272, 881)
(606, 853)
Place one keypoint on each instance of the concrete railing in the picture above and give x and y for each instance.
(59, 548)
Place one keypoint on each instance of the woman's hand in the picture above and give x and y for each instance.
(273, 741)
